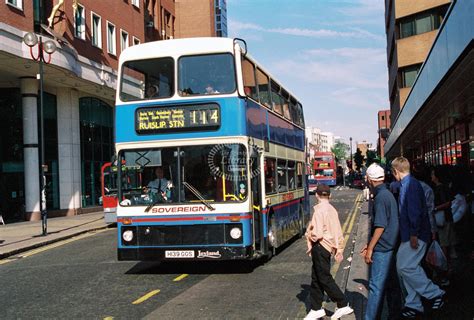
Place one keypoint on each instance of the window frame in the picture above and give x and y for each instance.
(135, 41)
(122, 33)
(99, 33)
(114, 39)
(254, 93)
(82, 34)
(136, 3)
(18, 5)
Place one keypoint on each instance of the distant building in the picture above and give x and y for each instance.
(383, 120)
(319, 141)
(411, 28)
(203, 18)
(364, 146)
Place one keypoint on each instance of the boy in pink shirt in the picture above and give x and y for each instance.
(324, 238)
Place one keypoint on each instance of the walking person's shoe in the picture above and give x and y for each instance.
(437, 303)
(315, 314)
(409, 313)
(344, 311)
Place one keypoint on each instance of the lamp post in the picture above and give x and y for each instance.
(48, 46)
(350, 139)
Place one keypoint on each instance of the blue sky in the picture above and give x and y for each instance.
(331, 54)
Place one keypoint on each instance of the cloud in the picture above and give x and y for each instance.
(237, 27)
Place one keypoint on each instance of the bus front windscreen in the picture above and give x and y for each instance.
(206, 74)
(183, 175)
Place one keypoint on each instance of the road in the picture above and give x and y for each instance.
(82, 279)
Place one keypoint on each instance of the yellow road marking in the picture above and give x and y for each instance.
(181, 277)
(50, 246)
(108, 318)
(347, 229)
(353, 209)
(146, 297)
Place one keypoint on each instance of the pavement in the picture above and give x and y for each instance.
(19, 237)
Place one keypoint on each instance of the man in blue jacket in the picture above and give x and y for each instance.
(415, 233)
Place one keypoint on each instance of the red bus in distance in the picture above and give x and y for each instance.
(324, 167)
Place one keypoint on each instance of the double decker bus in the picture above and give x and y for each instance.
(223, 145)
(324, 167)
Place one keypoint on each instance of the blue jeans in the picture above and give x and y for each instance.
(414, 277)
(378, 275)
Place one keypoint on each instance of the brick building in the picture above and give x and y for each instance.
(79, 94)
(435, 124)
(411, 27)
(201, 18)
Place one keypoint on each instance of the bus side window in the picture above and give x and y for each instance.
(263, 92)
(282, 175)
(270, 181)
(291, 175)
(248, 73)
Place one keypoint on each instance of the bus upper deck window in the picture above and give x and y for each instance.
(206, 74)
(147, 79)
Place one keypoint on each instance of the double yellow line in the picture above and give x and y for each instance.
(347, 229)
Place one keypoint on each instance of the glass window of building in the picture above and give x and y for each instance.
(136, 3)
(136, 41)
(123, 40)
(421, 23)
(408, 75)
(80, 23)
(96, 125)
(16, 3)
(96, 30)
(111, 41)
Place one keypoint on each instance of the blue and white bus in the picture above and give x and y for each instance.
(225, 144)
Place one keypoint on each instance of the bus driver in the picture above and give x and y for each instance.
(160, 185)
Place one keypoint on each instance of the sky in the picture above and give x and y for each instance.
(331, 54)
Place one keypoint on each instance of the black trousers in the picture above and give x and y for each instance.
(322, 281)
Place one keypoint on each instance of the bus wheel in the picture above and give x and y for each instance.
(301, 222)
(271, 236)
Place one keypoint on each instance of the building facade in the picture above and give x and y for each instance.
(411, 27)
(383, 120)
(319, 141)
(201, 18)
(436, 123)
(79, 93)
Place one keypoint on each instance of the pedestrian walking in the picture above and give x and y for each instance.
(379, 252)
(415, 233)
(324, 238)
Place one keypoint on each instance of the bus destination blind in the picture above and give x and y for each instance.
(151, 120)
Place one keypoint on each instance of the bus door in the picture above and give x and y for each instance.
(256, 165)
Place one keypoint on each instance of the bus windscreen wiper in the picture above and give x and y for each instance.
(198, 195)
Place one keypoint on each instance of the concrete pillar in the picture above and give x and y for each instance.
(69, 150)
(29, 93)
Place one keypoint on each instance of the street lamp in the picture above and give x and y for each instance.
(48, 46)
(350, 139)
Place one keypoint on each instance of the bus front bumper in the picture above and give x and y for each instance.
(185, 254)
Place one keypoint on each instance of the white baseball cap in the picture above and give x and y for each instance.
(375, 172)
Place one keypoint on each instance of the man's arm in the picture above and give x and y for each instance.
(373, 242)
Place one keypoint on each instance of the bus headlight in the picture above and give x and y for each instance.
(235, 233)
(127, 235)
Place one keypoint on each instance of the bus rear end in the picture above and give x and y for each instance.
(325, 168)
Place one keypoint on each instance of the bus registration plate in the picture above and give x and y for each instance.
(177, 254)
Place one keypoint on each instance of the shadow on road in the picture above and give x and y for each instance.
(193, 267)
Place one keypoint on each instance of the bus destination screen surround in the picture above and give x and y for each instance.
(151, 120)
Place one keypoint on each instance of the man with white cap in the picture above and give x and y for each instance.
(379, 252)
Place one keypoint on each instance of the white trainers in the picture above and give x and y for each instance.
(315, 314)
(342, 312)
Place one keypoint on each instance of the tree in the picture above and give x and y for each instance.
(371, 158)
(358, 159)
(340, 151)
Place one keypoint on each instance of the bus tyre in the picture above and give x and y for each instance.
(271, 238)
(301, 221)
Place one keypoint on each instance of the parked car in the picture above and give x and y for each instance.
(358, 181)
